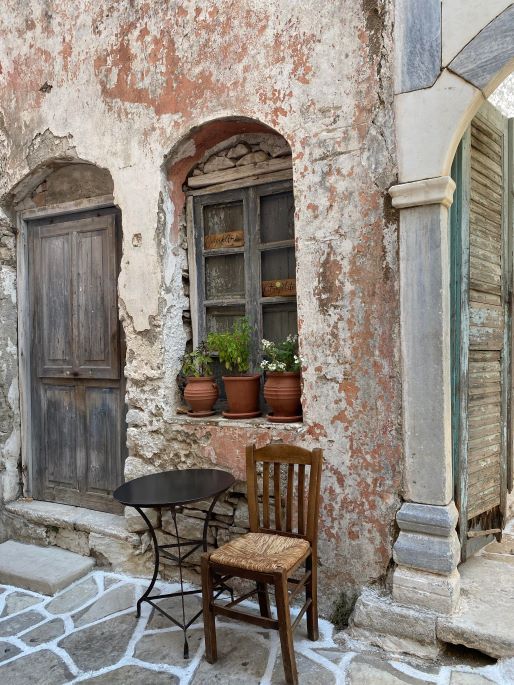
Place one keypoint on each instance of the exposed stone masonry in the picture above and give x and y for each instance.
(250, 149)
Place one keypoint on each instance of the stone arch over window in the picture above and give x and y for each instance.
(238, 225)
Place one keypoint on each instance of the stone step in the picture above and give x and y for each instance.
(105, 537)
(64, 516)
(41, 569)
(485, 617)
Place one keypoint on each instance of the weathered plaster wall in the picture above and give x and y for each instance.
(122, 85)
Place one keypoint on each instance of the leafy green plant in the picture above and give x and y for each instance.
(282, 356)
(233, 347)
(197, 363)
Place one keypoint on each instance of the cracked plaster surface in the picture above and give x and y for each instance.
(88, 633)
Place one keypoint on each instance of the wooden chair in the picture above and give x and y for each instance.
(270, 555)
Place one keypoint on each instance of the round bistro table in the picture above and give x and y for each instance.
(174, 489)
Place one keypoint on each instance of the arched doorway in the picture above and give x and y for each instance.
(434, 104)
(71, 342)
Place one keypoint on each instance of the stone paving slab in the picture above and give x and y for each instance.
(43, 642)
(485, 618)
(41, 569)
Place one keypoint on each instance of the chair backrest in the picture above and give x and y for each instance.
(296, 508)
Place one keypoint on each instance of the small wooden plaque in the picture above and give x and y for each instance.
(280, 287)
(217, 241)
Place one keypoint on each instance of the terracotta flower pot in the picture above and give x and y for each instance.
(282, 391)
(242, 396)
(201, 394)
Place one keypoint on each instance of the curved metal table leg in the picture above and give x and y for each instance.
(156, 565)
(178, 559)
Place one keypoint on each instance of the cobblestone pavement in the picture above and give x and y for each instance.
(88, 633)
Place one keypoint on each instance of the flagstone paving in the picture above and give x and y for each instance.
(88, 633)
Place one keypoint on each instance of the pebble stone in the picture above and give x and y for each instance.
(100, 645)
(43, 668)
(133, 675)
(45, 633)
(17, 601)
(15, 624)
(7, 650)
(239, 655)
(117, 599)
(73, 598)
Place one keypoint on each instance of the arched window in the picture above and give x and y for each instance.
(241, 239)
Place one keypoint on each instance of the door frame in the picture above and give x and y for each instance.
(24, 319)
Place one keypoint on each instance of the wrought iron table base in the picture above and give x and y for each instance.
(179, 558)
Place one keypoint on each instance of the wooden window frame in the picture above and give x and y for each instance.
(253, 301)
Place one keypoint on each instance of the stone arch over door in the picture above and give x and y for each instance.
(468, 51)
(69, 235)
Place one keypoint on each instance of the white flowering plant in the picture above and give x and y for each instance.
(281, 357)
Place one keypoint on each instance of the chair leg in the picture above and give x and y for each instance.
(262, 594)
(209, 618)
(311, 592)
(284, 629)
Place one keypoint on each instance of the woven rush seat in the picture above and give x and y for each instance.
(262, 552)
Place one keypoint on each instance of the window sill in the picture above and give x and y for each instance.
(219, 420)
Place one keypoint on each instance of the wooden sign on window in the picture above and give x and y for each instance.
(283, 287)
(217, 241)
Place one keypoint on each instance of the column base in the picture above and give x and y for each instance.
(426, 590)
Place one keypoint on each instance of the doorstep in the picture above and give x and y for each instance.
(73, 518)
(484, 619)
(102, 536)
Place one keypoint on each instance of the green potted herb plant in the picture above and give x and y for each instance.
(242, 388)
(282, 389)
(201, 392)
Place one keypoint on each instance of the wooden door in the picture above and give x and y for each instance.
(481, 315)
(78, 423)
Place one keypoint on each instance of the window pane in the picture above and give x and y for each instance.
(220, 319)
(225, 277)
(278, 273)
(279, 321)
(277, 217)
(223, 225)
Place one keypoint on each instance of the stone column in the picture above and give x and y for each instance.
(427, 550)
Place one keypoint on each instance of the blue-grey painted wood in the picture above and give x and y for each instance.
(481, 358)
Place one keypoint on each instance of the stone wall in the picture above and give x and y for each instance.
(143, 90)
(10, 465)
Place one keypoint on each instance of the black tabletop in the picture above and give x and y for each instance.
(174, 488)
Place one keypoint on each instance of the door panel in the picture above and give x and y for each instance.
(56, 335)
(77, 386)
(102, 437)
(481, 300)
(60, 435)
(96, 329)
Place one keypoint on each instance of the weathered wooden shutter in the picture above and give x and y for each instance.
(481, 373)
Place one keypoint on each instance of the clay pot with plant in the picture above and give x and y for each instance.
(242, 388)
(282, 389)
(201, 392)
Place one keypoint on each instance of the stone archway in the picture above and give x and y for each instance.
(469, 50)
